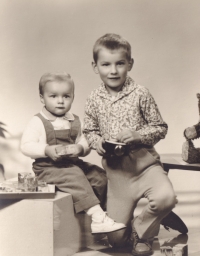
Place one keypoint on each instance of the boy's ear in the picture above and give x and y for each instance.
(42, 98)
(94, 65)
(131, 62)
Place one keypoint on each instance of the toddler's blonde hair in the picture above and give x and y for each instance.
(51, 77)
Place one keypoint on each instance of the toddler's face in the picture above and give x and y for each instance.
(112, 66)
(58, 97)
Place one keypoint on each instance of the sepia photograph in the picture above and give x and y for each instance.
(100, 128)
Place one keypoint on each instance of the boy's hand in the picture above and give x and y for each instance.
(127, 136)
(50, 151)
(99, 147)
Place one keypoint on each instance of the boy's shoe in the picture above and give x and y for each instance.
(174, 222)
(141, 247)
(104, 224)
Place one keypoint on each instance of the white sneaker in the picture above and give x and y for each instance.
(104, 224)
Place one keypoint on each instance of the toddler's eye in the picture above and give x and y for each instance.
(66, 96)
(53, 96)
(121, 63)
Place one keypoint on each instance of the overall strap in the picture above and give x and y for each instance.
(57, 137)
(50, 134)
(75, 128)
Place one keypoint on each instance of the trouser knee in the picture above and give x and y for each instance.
(164, 203)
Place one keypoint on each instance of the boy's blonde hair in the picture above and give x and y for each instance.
(111, 42)
(52, 77)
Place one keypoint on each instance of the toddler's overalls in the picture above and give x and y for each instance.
(130, 178)
(87, 183)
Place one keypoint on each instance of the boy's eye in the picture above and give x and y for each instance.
(121, 63)
(66, 96)
(105, 64)
(53, 96)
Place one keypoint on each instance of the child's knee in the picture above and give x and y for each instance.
(170, 202)
(163, 203)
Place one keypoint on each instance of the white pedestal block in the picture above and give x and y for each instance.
(42, 227)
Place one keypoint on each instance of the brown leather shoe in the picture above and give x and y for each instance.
(141, 247)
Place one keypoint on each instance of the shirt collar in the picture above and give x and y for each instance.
(128, 87)
(68, 116)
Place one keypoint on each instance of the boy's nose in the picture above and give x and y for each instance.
(113, 69)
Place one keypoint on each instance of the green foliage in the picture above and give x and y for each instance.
(2, 130)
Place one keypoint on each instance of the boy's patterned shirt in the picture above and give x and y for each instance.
(133, 108)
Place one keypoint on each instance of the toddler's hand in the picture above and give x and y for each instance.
(50, 151)
(99, 147)
(128, 136)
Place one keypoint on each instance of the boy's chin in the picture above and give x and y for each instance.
(115, 88)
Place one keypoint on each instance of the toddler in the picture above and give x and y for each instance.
(55, 125)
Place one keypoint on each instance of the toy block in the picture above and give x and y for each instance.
(66, 150)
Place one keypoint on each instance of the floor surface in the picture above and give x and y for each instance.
(167, 238)
(188, 209)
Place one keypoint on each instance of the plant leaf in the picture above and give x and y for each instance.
(2, 130)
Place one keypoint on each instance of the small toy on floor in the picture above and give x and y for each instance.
(177, 250)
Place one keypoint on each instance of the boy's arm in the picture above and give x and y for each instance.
(91, 127)
(33, 141)
(155, 128)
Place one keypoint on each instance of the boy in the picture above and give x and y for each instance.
(123, 111)
(56, 125)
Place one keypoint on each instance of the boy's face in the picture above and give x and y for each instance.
(58, 97)
(112, 66)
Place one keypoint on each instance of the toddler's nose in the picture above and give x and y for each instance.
(60, 100)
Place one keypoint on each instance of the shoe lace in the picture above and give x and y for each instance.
(107, 219)
(138, 240)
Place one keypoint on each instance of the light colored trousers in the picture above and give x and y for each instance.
(130, 178)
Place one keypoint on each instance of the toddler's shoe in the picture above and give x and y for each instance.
(101, 223)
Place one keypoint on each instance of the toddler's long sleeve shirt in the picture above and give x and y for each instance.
(33, 142)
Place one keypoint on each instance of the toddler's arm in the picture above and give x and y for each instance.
(33, 141)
